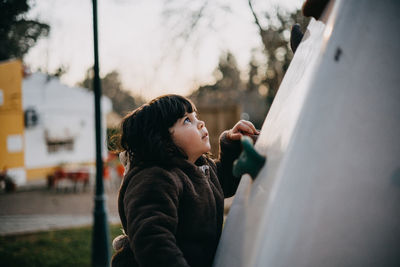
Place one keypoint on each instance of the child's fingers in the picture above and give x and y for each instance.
(242, 128)
(235, 136)
(246, 127)
(251, 125)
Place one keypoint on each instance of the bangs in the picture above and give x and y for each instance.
(172, 108)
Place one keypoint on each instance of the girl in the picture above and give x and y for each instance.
(171, 200)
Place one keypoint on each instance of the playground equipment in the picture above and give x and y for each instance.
(329, 192)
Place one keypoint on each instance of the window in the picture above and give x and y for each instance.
(54, 146)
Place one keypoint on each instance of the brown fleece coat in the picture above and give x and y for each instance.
(174, 216)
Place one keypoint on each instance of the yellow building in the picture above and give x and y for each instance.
(12, 120)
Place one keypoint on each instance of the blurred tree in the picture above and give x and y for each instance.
(123, 102)
(227, 87)
(253, 80)
(17, 34)
(275, 38)
(228, 73)
(229, 90)
(188, 17)
(254, 105)
(256, 71)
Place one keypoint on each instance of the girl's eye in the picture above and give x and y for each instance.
(187, 120)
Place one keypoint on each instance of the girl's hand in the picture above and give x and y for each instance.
(242, 128)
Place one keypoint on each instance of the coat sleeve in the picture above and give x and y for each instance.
(229, 151)
(151, 204)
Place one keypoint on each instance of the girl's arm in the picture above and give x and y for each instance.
(150, 204)
(230, 149)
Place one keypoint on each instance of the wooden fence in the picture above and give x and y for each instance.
(217, 120)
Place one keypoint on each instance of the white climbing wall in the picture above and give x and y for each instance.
(329, 194)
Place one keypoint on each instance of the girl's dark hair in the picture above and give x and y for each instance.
(145, 131)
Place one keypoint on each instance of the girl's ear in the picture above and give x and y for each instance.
(171, 130)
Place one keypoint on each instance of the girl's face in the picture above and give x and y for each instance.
(191, 135)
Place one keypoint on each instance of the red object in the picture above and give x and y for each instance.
(120, 170)
(106, 172)
(75, 176)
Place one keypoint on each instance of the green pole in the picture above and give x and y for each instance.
(100, 239)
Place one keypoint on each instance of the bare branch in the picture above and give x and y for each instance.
(256, 20)
(198, 15)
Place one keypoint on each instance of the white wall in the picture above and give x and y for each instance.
(62, 111)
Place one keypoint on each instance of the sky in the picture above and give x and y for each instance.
(138, 41)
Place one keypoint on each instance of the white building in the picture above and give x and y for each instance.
(59, 128)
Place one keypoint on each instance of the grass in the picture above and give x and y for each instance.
(71, 247)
